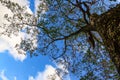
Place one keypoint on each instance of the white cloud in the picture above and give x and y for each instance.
(36, 5)
(31, 78)
(7, 43)
(47, 74)
(118, 0)
(43, 8)
(2, 75)
(63, 69)
(15, 78)
(21, 2)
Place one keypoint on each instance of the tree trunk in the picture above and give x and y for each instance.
(108, 26)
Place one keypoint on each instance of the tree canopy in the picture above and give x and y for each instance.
(84, 35)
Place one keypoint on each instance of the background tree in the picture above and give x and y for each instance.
(81, 34)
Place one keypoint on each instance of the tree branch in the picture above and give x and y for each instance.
(64, 51)
(82, 29)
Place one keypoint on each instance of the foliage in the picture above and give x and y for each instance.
(18, 22)
(60, 26)
(64, 33)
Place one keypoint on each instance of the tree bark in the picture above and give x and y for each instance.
(108, 26)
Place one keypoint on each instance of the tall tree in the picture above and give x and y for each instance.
(81, 34)
(68, 21)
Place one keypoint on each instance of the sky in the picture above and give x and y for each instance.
(14, 66)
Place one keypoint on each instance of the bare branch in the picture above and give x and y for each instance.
(64, 51)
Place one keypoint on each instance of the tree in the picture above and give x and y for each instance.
(75, 33)
(74, 19)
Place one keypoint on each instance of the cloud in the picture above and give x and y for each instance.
(21, 2)
(41, 9)
(2, 75)
(7, 43)
(118, 0)
(47, 74)
(62, 66)
(15, 78)
(36, 5)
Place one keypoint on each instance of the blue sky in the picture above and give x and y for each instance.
(13, 67)
(22, 70)
(20, 67)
